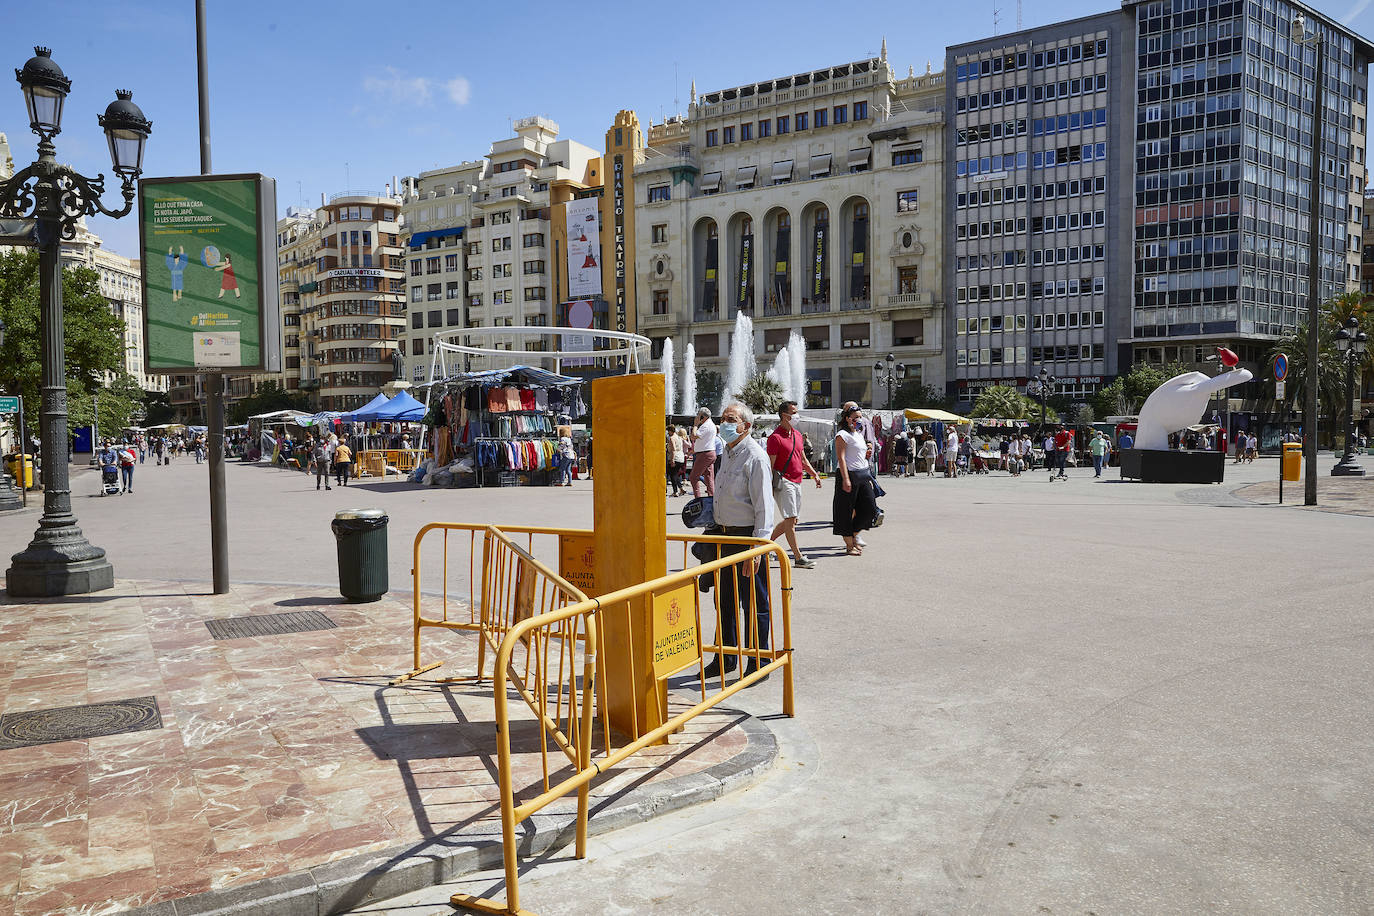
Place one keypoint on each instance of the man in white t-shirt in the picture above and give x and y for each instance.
(703, 473)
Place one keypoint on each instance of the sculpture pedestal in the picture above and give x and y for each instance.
(1150, 465)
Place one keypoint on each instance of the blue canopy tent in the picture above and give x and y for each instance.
(368, 412)
(401, 409)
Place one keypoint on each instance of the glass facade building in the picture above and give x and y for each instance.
(1225, 101)
(1198, 151)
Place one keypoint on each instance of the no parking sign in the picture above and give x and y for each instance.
(1280, 373)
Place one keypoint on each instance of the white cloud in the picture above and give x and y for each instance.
(459, 90)
(1356, 10)
(395, 87)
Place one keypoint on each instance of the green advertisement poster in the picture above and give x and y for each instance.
(203, 263)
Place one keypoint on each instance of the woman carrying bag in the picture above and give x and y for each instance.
(855, 505)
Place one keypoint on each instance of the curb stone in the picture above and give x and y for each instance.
(375, 876)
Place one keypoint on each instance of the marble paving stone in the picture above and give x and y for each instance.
(277, 753)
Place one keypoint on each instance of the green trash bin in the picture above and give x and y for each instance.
(361, 539)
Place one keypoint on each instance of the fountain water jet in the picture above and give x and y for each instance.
(782, 374)
(742, 363)
(796, 353)
(669, 378)
(689, 379)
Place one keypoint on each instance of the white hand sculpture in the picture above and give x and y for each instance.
(1178, 403)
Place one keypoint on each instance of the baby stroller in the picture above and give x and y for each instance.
(109, 471)
(980, 465)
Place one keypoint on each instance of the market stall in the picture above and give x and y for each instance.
(499, 427)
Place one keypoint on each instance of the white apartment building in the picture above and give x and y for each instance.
(121, 286)
(295, 245)
(481, 238)
(811, 202)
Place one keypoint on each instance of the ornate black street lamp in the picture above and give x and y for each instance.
(1040, 387)
(896, 372)
(59, 560)
(1351, 342)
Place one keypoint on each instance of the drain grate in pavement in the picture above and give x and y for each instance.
(269, 624)
(70, 723)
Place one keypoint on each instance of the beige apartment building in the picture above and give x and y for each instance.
(811, 202)
(349, 276)
(483, 239)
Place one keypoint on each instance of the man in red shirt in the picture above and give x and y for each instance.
(1063, 444)
(787, 456)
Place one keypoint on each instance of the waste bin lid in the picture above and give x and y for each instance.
(360, 513)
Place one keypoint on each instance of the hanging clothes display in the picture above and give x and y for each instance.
(506, 421)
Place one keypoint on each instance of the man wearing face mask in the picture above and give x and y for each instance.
(743, 508)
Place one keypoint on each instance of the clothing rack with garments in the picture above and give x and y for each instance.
(505, 420)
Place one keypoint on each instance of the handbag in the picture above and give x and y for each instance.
(699, 512)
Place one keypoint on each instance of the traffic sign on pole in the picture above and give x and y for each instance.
(1279, 389)
(1280, 368)
(8, 404)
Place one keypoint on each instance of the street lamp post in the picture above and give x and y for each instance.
(1351, 342)
(59, 560)
(1299, 36)
(1043, 384)
(895, 372)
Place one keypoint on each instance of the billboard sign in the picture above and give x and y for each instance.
(209, 270)
(584, 248)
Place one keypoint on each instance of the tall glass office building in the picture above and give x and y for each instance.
(1225, 101)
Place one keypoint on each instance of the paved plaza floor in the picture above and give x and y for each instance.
(1087, 696)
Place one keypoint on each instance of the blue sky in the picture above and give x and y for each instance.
(332, 96)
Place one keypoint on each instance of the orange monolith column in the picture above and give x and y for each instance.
(629, 500)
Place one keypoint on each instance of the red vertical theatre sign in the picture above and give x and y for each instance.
(618, 190)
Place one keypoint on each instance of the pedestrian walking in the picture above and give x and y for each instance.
(673, 459)
(567, 456)
(1063, 446)
(127, 460)
(901, 450)
(855, 506)
(743, 507)
(1099, 447)
(319, 460)
(952, 452)
(343, 463)
(929, 452)
(788, 460)
(704, 437)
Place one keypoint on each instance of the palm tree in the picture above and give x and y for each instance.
(760, 394)
(1330, 366)
(1003, 402)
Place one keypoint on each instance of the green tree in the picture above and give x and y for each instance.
(94, 336)
(912, 393)
(120, 404)
(760, 394)
(157, 408)
(269, 396)
(710, 387)
(1124, 396)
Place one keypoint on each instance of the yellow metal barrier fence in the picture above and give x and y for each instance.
(554, 659)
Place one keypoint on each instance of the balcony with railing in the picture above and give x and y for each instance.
(706, 315)
(855, 305)
(923, 298)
